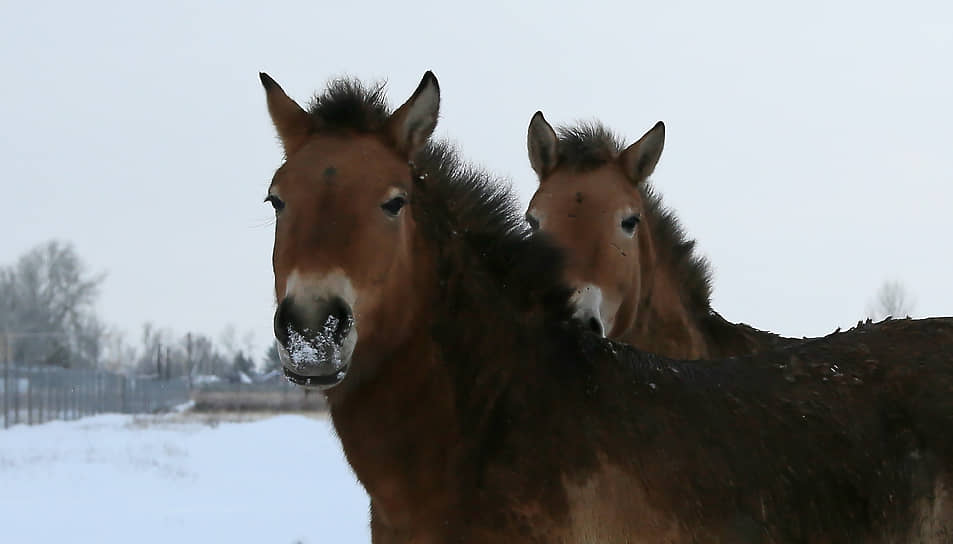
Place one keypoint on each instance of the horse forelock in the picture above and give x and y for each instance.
(349, 104)
(587, 145)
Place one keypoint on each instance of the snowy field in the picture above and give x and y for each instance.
(178, 479)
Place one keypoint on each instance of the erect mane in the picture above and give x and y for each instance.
(693, 270)
(349, 104)
(589, 145)
(501, 296)
(476, 220)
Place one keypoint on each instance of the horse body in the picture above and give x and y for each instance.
(832, 440)
(840, 439)
(473, 409)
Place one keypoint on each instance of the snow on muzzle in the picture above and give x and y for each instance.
(315, 340)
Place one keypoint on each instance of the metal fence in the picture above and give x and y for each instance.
(33, 395)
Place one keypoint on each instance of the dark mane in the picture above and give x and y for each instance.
(476, 220)
(589, 145)
(675, 245)
(494, 272)
(349, 104)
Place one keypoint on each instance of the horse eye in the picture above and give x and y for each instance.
(394, 205)
(533, 222)
(275, 202)
(629, 223)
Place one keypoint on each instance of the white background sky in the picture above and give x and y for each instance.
(809, 146)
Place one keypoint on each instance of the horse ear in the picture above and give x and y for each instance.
(413, 123)
(292, 123)
(640, 158)
(541, 142)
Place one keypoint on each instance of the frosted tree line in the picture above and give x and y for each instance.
(48, 316)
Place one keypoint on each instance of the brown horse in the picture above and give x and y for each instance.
(636, 276)
(473, 409)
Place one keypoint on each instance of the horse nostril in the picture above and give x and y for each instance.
(282, 321)
(343, 319)
(596, 326)
(330, 319)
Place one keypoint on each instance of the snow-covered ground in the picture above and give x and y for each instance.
(178, 479)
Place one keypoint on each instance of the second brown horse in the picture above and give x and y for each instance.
(636, 276)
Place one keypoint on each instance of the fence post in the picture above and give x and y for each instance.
(6, 385)
(60, 401)
(45, 403)
(29, 399)
(122, 394)
(87, 396)
(54, 401)
(78, 396)
(16, 398)
(44, 387)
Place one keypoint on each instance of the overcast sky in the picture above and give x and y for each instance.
(809, 147)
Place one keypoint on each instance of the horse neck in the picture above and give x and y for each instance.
(405, 415)
(658, 312)
(662, 319)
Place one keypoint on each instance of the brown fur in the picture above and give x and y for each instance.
(662, 288)
(475, 411)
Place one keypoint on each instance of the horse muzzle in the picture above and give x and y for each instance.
(587, 304)
(316, 339)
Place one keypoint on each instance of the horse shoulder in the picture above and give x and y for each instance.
(611, 505)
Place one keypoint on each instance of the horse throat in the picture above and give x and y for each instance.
(405, 414)
(403, 410)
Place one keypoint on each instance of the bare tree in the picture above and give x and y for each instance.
(118, 356)
(891, 300)
(157, 356)
(47, 299)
